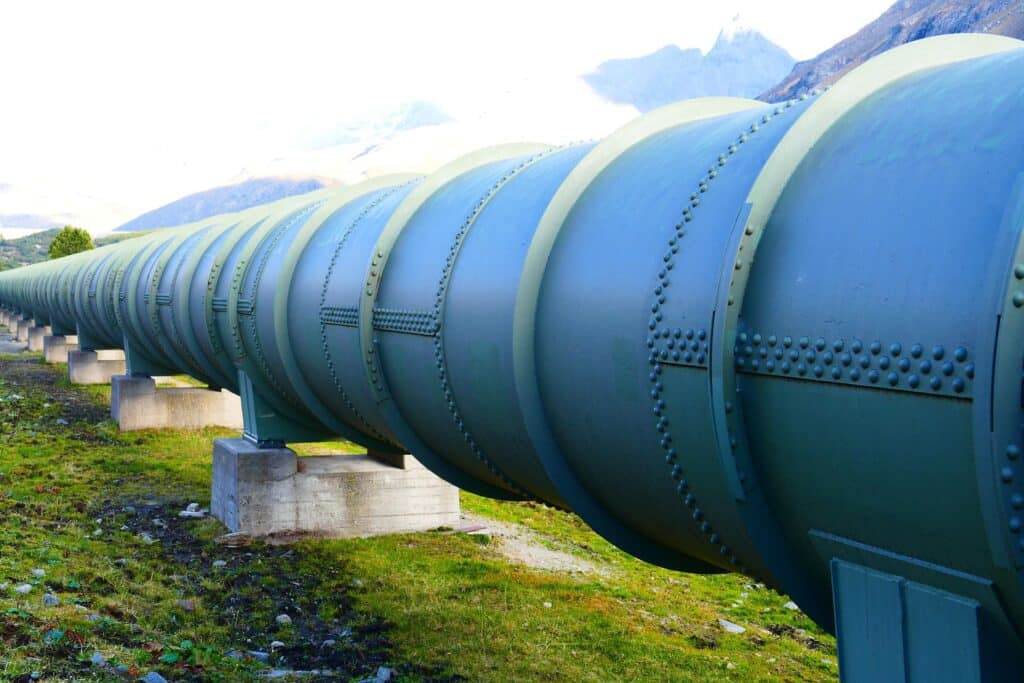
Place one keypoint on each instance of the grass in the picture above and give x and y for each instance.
(96, 511)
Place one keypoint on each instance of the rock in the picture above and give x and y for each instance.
(23, 589)
(92, 617)
(147, 539)
(98, 659)
(791, 605)
(730, 666)
(38, 573)
(187, 605)
(730, 627)
(547, 604)
(384, 674)
(220, 563)
(193, 512)
(121, 562)
(283, 620)
(260, 656)
(153, 677)
(50, 600)
(234, 540)
(62, 421)
(234, 654)
(276, 644)
(328, 643)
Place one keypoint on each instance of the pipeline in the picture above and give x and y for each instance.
(784, 340)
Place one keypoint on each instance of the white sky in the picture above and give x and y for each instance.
(123, 106)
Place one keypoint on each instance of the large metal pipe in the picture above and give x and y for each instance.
(782, 340)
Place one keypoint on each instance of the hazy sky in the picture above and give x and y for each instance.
(127, 105)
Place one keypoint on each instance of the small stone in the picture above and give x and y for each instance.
(23, 588)
(772, 660)
(283, 620)
(153, 677)
(38, 573)
(234, 654)
(50, 600)
(97, 659)
(547, 604)
(220, 563)
(122, 668)
(791, 605)
(192, 507)
(730, 627)
(193, 511)
(275, 644)
(187, 605)
(328, 643)
(384, 674)
(121, 562)
(260, 656)
(92, 617)
(62, 421)
(147, 539)
(730, 666)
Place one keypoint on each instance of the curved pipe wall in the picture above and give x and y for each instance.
(732, 336)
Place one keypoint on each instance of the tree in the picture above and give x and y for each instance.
(69, 241)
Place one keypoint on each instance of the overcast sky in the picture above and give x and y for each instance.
(131, 104)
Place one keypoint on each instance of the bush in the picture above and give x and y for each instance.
(69, 241)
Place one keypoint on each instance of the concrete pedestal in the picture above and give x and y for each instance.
(56, 347)
(95, 367)
(136, 403)
(21, 334)
(261, 491)
(36, 334)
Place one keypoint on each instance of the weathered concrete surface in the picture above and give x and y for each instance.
(95, 367)
(23, 328)
(261, 491)
(36, 333)
(56, 347)
(136, 403)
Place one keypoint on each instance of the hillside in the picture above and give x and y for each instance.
(34, 248)
(742, 63)
(904, 22)
(219, 200)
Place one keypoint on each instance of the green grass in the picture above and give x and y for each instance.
(76, 499)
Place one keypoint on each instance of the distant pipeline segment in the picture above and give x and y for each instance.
(785, 340)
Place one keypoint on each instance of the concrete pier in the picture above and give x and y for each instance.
(261, 491)
(36, 334)
(137, 403)
(56, 347)
(95, 367)
(21, 334)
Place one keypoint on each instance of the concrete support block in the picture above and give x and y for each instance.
(36, 334)
(56, 347)
(23, 328)
(94, 367)
(261, 491)
(136, 403)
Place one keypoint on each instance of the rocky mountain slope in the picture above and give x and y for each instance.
(218, 200)
(904, 22)
(742, 63)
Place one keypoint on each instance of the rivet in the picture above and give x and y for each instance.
(837, 345)
(856, 346)
(926, 366)
(936, 383)
(873, 376)
(895, 349)
(893, 378)
(969, 370)
(876, 347)
(801, 369)
(818, 371)
(836, 373)
(772, 340)
(854, 374)
(1018, 299)
(1013, 451)
(960, 354)
(804, 342)
(819, 344)
(1018, 271)
(938, 353)
(883, 362)
(916, 350)
(1006, 474)
(947, 368)
(958, 385)
(1017, 501)
(913, 381)
(787, 341)
(846, 358)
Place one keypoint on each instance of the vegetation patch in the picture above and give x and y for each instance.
(101, 579)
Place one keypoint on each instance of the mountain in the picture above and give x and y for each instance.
(742, 63)
(224, 199)
(904, 22)
(27, 221)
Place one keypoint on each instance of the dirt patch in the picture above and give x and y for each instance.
(524, 546)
